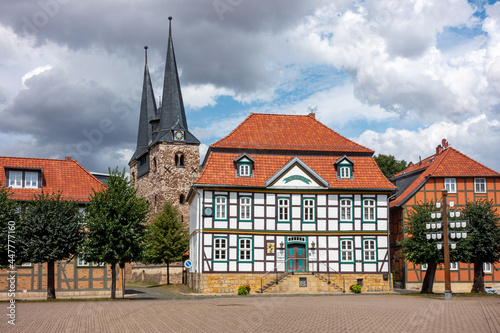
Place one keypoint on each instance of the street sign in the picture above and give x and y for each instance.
(188, 264)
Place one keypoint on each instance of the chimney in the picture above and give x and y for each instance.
(67, 158)
(439, 149)
(312, 115)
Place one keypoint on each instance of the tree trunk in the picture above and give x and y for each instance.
(113, 280)
(168, 272)
(478, 285)
(122, 280)
(51, 290)
(428, 283)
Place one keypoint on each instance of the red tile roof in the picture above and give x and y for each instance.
(220, 170)
(448, 163)
(67, 176)
(287, 132)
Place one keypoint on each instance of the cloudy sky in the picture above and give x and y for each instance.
(395, 76)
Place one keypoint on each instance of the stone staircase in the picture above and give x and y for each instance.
(304, 283)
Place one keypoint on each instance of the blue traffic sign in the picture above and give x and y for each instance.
(188, 264)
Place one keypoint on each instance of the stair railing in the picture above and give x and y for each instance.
(275, 269)
(328, 268)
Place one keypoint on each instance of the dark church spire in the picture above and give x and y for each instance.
(172, 114)
(147, 113)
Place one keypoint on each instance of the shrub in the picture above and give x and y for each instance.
(242, 290)
(356, 288)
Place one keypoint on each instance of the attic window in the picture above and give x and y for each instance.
(23, 179)
(344, 168)
(244, 166)
(244, 170)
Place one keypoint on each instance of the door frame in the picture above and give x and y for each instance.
(300, 240)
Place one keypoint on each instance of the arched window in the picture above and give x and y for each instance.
(179, 159)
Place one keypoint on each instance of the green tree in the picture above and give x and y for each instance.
(389, 165)
(168, 238)
(48, 231)
(419, 250)
(114, 224)
(483, 238)
(8, 213)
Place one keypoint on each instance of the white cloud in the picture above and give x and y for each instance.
(477, 137)
(34, 72)
(201, 95)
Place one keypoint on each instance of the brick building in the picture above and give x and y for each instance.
(166, 161)
(466, 180)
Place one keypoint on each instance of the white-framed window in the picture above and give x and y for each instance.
(245, 209)
(486, 267)
(369, 250)
(346, 210)
(450, 184)
(454, 266)
(369, 210)
(220, 249)
(220, 208)
(345, 172)
(283, 210)
(244, 249)
(31, 180)
(309, 210)
(244, 170)
(423, 267)
(346, 251)
(480, 185)
(16, 179)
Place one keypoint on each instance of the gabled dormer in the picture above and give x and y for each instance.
(244, 166)
(344, 167)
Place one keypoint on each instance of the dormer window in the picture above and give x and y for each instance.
(23, 179)
(244, 166)
(244, 170)
(344, 168)
(345, 172)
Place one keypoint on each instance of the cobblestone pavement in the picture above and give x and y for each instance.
(343, 313)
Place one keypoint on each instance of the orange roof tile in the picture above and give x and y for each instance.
(67, 176)
(220, 170)
(287, 132)
(448, 163)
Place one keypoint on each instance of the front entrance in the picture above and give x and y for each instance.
(297, 257)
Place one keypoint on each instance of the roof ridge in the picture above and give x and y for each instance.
(481, 164)
(234, 130)
(88, 172)
(37, 158)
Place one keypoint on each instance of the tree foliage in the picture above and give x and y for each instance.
(8, 213)
(48, 231)
(114, 221)
(420, 250)
(389, 165)
(483, 238)
(168, 238)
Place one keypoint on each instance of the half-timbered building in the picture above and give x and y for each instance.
(28, 177)
(465, 180)
(283, 194)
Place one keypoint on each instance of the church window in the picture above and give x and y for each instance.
(179, 160)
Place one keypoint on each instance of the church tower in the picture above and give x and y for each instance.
(166, 161)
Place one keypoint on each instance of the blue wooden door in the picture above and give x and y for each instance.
(297, 256)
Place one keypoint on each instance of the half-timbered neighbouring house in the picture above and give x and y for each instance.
(283, 194)
(28, 177)
(465, 180)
